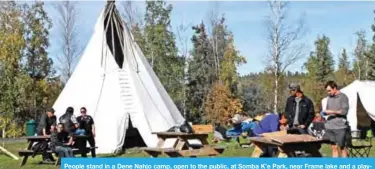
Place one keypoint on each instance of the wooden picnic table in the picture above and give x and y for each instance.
(78, 148)
(288, 144)
(176, 144)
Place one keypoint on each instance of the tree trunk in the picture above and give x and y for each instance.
(366, 69)
(275, 92)
(359, 71)
(4, 135)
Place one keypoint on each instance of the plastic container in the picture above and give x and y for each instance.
(31, 128)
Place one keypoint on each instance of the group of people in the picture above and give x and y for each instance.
(299, 117)
(299, 112)
(62, 133)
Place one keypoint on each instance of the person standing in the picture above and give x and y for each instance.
(299, 111)
(337, 127)
(45, 124)
(46, 121)
(86, 122)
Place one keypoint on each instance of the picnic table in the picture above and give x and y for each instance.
(79, 147)
(177, 144)
(288, 144)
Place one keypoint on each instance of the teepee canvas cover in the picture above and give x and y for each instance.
(114, 81)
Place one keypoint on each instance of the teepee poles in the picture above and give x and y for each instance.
(8, 153)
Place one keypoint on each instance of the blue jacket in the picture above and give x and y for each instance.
(270, 123)
(239, 128)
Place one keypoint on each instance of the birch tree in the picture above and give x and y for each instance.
(283, 39)
(183, 41)
(131, 13)
(68, 33)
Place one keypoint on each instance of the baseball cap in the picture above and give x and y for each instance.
(294, 86)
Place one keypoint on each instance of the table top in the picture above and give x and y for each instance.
(49, 137)
(264, 140)
(287, 139)
(179, 134)
(37, 137)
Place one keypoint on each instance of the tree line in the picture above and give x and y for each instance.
(203, 80)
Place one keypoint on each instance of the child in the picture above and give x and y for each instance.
(60, 143)
(318, 118)
(283, 122)
(317, 128)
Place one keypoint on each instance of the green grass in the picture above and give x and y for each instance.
(232, 150)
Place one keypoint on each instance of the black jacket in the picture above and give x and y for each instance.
(306, 111)
(67, 122)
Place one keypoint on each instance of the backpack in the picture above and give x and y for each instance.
(39, 147)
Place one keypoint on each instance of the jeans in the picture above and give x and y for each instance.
(64, 151)
(80, 132)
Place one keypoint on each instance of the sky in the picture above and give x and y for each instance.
(246, 20)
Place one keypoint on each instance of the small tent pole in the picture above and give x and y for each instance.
(8, 153)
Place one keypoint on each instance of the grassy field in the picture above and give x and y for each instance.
(232, 150)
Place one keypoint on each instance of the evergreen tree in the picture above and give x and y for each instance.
(38, 64)
(228, 66)
(320, 67)
(343, 74)
(200, 74)
(322, 60)
(344, 62)
(160, 49)
(371, 56)
(219, 42)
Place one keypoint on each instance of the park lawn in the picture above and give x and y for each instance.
(232, 150)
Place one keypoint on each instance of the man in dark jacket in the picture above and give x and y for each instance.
(86, 122)
(47, 120)
(299, 111)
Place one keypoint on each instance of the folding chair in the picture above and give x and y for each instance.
(362, 146)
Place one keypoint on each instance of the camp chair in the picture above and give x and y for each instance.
(362, 146)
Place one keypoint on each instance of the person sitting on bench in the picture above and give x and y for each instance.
(317, 128)
(61, 143)
(269, 122)
(69, 120)
(220, 133)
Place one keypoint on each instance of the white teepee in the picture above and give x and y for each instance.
(114, 81)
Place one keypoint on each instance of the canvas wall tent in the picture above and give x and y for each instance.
(116, 84)
(361, 96)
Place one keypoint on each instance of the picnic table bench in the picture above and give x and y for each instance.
(77, 149)
(177, 144)
(288, 144)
